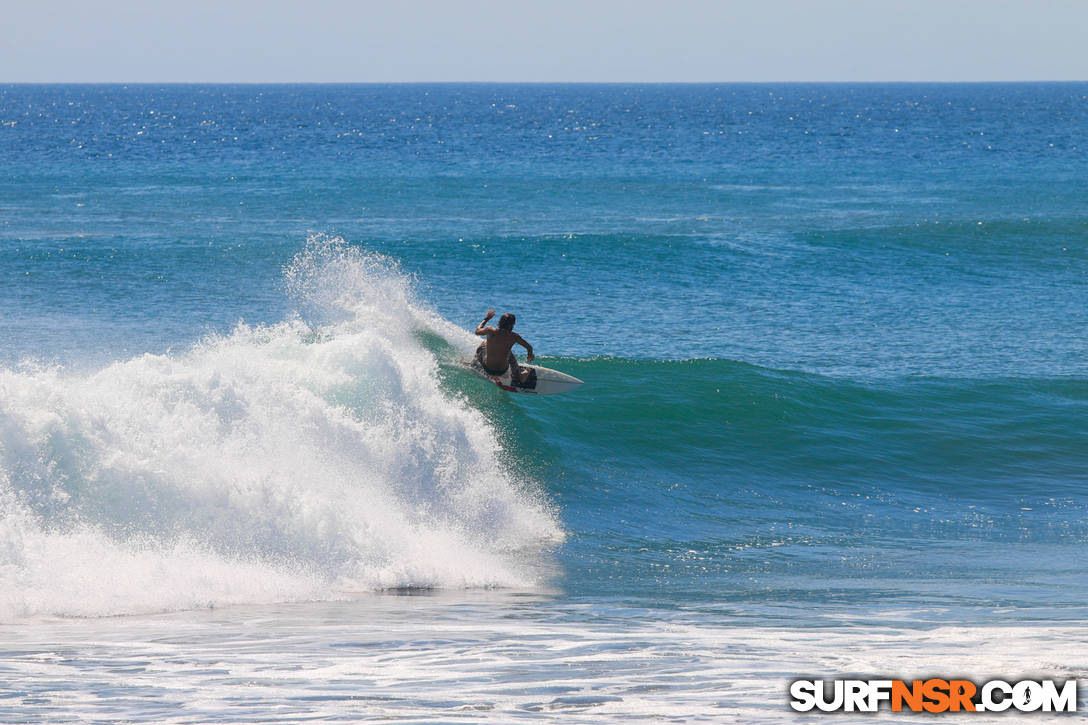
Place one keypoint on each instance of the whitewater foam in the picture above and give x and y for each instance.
(487, 657)
(304, 460)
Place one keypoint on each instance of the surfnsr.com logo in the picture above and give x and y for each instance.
(933, 695)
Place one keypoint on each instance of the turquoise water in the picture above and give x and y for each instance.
(833, 339)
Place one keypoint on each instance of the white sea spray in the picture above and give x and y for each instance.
(302, 460)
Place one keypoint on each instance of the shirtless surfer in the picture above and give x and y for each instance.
(495, 354)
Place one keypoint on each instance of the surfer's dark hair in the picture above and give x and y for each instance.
(506, 322)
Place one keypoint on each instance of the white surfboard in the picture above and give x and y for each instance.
(541, 381)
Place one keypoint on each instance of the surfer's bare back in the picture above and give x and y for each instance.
(495, 354)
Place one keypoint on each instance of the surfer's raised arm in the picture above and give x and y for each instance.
(482, 328)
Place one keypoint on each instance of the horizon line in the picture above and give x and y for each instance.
(526, 83)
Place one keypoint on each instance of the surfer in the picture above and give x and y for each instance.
(495, 354)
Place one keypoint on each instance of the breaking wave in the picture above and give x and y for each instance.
(304, 460)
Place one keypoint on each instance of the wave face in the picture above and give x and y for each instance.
(706, 482)
(301, 460)
(987, 436)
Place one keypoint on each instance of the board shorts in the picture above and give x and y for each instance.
(480, 352)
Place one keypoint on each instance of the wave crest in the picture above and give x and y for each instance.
(302, 460)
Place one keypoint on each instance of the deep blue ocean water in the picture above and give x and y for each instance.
(833, 338)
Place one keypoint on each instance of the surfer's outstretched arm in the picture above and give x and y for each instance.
(521, 341)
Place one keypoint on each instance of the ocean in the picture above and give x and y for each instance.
(834, 420)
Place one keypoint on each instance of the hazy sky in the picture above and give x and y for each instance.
(553, 40)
